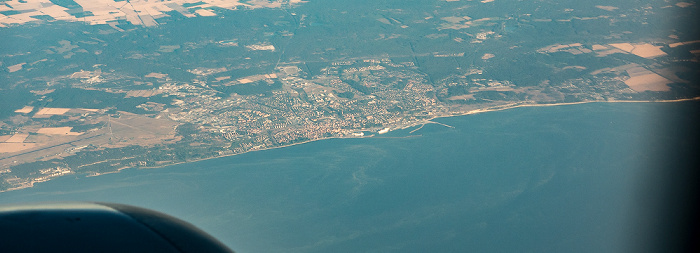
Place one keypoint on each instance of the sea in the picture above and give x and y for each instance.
(569, 178)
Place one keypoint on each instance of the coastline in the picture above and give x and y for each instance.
(429, 121)
(421, 123)
(522, 104)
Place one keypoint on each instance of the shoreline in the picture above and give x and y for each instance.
(521, 104)
(429, 121)
(421, 123)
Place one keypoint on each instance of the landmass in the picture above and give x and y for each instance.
(94, 87)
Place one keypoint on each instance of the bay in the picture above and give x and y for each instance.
(575, 178)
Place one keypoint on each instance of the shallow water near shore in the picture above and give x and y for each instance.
(540, 179)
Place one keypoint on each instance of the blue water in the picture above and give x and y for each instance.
(541, 179)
